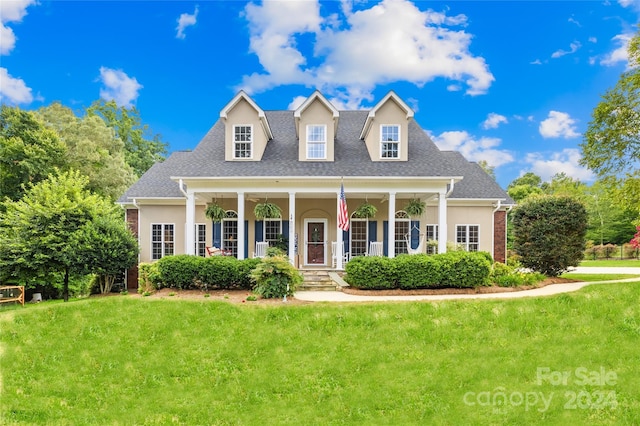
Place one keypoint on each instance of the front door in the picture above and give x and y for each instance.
(315, 243)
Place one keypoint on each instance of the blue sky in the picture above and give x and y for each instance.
(510, 82)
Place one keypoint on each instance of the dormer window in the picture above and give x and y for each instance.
(390, 141)
(316, 141)
(242, 141)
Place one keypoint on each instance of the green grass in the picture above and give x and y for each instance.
(137, 361)
(611, 263)
(597, 277)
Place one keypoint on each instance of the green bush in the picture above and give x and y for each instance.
(371, 272)
(549, 233)
(148, 277)
(218, 272)
(464, 269)
(417, 271)
(243, 273)
(505, 276)
(452, 269)
(275, 277)
(180, 271)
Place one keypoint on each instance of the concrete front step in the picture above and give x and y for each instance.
(317, 280)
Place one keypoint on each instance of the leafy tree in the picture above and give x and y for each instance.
(611, 145)
(490, 170)
(93, 149)
(528, 178)
(140, 151)
(549, 233)
(563, 185)
(106, 247)
(55, 228)
(29, 151)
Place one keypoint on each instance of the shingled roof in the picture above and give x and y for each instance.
(281, 159)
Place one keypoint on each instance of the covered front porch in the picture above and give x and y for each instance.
(308, 229)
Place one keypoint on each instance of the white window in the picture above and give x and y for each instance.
(316, 141)
(359, 237)
(272, 231)
(230, 233)
(432, 235)
(390, 141)
(201, 239)
(162, 240)
(242, 141)
(402, 232)
(468, 236)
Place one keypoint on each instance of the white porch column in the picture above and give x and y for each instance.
(190, 224)
(292, 227)
(241, 225)
(340, 256)
(442, 222)
(391, 231)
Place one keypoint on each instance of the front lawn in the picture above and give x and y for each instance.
(122, 360)
(611, 263)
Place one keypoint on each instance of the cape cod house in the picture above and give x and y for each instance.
(300, 160)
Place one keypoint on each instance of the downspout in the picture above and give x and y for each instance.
(181, 186)
(498, 206)
(451, 185)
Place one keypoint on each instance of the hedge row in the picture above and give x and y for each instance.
(194, 272)
(452, 269)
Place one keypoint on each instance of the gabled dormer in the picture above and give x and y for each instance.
(316, 123)
(246, 129)
(386, 129)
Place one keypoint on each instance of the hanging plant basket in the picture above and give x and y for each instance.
(365, 211)
(415, 207)
(215, 212)
(267, 210)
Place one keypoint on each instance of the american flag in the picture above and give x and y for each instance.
(343, 213)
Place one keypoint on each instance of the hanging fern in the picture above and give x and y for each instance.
(365, 210)
(215, 212)
(267, 210)
(415, 207)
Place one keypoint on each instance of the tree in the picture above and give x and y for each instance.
(611, 145)
(29, 151)
(490, 170)
(140, 151)
(93, 149)
(54, 228)
(106, 248)
(525, 186)
(549, 233)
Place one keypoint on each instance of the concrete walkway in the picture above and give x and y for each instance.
(549, 290)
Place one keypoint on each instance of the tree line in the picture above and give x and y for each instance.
(60, 174)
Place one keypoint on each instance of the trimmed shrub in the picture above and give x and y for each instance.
(243, 273)
(371, 272)
(417, 271)
(464, 269)
(180, 271)
(218, 272)
(275, 277)
(505, 276)
(549, 233)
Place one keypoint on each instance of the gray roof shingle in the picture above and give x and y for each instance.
(281, 159)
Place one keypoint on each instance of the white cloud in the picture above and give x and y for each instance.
(536, 62)
(593, 40)
(13, 90)
(493, 121)
(567, 161)
(296, 102)
(119, 87)
(574, 21)
(573, 49)
(619, 54)
(420, 50)
(11, 11)
(558, 125)
(186, 20)
(473, 149)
